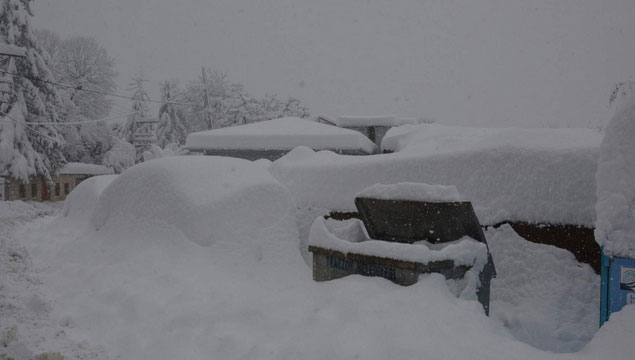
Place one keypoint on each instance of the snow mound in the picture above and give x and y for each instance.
(82, 201)
(615, 227)
(207, 198)
(615, 337)
(541, 293)
(412, 191)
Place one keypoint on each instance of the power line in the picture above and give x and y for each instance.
(80, 88)
(47, 136)
(32, 129)
(77, 122)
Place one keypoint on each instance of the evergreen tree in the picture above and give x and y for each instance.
(29, 143)
(139, 107)
(170, 128)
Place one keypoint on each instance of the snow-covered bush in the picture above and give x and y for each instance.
(120, 157)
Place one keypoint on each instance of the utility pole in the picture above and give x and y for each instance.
(210, 123)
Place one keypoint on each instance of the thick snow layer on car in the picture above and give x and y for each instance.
(207, 198)
(84, 169)
(412, 191)
(550, 179)
(281, 134)
(615, 228)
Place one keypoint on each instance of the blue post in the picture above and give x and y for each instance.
(604, 289)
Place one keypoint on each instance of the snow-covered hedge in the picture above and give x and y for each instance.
(534, 175)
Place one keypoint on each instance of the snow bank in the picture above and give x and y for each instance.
(614, 339)
(84, 169)
(615, 227)
(207, 198)
(542, 293)
(82, 201)
(281, 134)
(143, 289)
(534, 175)
(412, 191)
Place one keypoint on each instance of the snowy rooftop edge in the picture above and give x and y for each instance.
(361, 121)
(280, 134)
(84, 169)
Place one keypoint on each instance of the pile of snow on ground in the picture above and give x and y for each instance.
(541, 293)
(143, 289)
(26, 326)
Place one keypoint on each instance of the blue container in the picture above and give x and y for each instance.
(618, 285)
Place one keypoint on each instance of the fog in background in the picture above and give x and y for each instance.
(484, 63)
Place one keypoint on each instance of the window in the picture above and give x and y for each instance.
(33, 190)
(22, 191)
(57, 189)
(66, 188)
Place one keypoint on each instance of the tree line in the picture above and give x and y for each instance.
(55, 103)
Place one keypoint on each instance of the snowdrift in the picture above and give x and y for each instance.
(145, 286)
(207, 198)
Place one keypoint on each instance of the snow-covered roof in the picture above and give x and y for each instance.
(84, 169)
(361, 121)
(280, 134)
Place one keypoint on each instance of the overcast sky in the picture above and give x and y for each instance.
(487, 63)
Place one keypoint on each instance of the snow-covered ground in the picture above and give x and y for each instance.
(141, 287)
(27, 328)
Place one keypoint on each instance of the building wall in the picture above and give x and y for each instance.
(37, 189)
